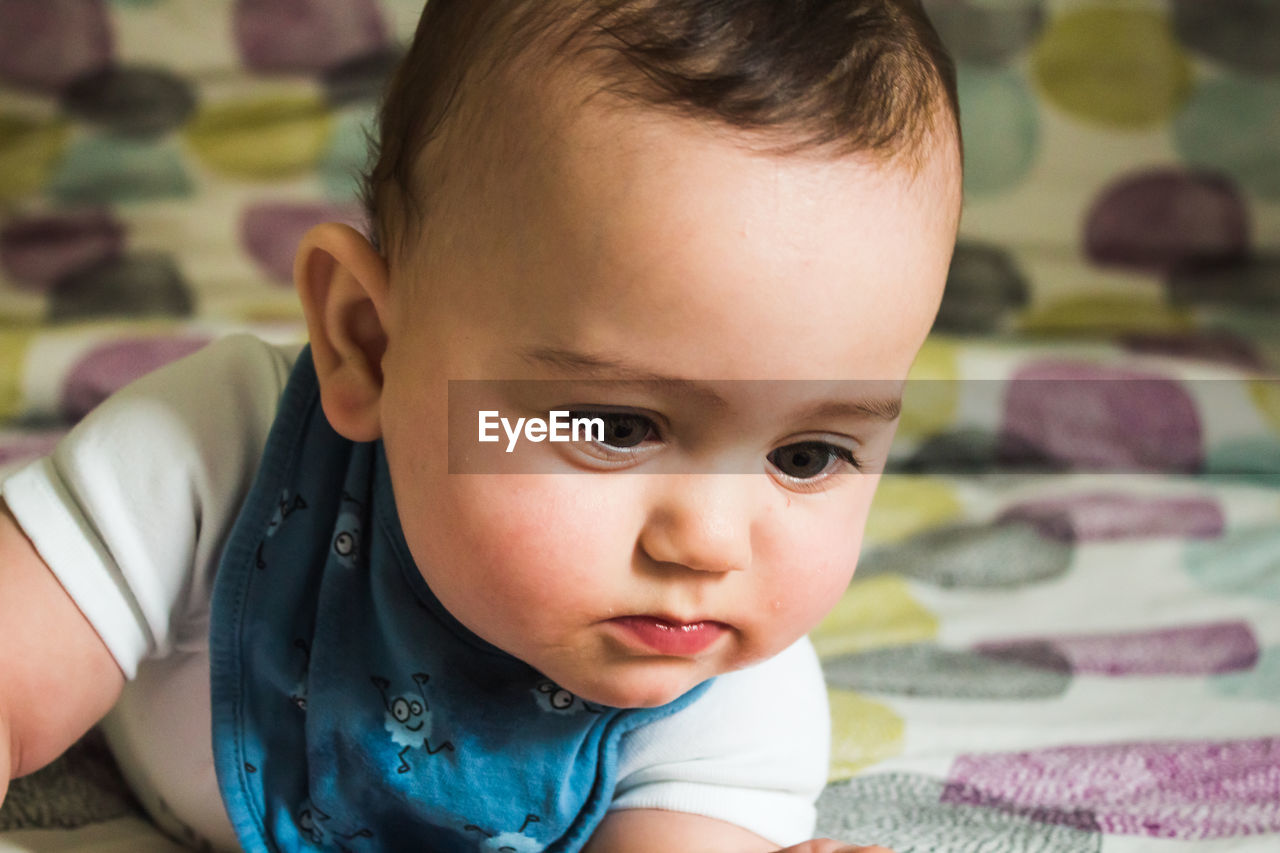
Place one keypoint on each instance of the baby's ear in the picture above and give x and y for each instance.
(342, 282)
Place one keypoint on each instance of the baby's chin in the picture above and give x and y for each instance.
(649, 686)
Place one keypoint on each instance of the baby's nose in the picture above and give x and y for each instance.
(701, 522)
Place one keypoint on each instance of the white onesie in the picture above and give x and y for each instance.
(131, 512)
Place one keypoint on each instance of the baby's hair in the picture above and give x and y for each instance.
(837, 76)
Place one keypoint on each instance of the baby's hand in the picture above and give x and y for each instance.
(827, 845)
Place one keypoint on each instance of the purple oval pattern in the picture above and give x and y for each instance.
(1188, 790)
(24, 446)
(40, 250)
(908, 812)
(270, 231)
(1185, 650)
(1208, 345)
(1165, 219)
(1102, 517)
(307, 35)
(45, 44)
(1100, 418)
(107, 368)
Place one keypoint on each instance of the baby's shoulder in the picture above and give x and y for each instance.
(228, 373)
(753, 749)
(787, 687)
(774, 710)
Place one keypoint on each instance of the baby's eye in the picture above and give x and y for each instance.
(622, 430)
(806, 460)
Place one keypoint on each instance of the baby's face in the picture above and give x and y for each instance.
(646, 249)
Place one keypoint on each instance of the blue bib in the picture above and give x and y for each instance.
(350, 710)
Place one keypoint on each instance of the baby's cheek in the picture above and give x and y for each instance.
(542, 539)
(832, 568)
(811, 571)
(836, 537)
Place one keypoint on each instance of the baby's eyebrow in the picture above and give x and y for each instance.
(881, 407)
(877, 408)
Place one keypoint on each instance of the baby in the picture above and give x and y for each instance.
(717, 231)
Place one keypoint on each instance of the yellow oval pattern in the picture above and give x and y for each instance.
(863, 732)
(908, 503)
(877, 612)
(14, 345)
(931, 394)
(1105, 315)
(28, 149)
(262, 139)
(1266, 396)
(1119, 68)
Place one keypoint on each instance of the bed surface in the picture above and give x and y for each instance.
(1064, 633)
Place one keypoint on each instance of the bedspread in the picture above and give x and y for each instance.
(1064, 632)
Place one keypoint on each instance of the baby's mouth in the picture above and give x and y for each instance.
(668, 636)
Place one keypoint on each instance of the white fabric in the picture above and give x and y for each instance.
(753, 751)
(132, 511)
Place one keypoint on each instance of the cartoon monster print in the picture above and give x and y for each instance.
(299, 695)
(508, 842)
(555, 699)
(347, 532)
(409, 719)
(285, 507)
(314, 826)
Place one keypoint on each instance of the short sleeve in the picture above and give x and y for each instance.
(133, 506)
(753, 751)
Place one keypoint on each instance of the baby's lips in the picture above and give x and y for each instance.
(670, 636)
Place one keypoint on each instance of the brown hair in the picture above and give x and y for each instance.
(838, 75)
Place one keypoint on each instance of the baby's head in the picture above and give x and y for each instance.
(626, 209)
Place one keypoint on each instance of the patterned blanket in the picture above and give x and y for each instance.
(1064, 634)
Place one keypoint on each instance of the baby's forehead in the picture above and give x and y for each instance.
(670, 244)
(565, 167)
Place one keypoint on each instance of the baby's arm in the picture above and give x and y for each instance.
(56, 676)
(127, 517)
(657, 831)
(741, 764)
